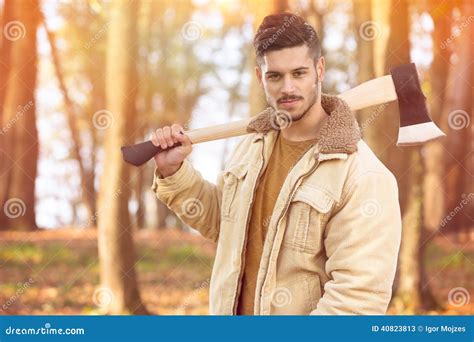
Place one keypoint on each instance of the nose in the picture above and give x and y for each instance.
(287, 86)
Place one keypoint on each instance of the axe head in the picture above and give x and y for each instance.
(416, 126)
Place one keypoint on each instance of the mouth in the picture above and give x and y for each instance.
(289, 103)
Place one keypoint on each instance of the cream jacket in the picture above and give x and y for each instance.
(333, 239)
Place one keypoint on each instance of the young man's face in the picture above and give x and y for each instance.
(291, 80)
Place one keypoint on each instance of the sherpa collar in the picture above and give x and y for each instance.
(339, 134)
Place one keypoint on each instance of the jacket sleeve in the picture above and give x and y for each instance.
(194, 200)
(362, 241)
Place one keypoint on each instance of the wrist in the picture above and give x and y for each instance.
(170, 170)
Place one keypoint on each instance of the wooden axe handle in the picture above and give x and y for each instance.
(370, 93)
(216, 132)
(139, 154)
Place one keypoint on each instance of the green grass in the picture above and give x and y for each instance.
(25, 255)
(186, 256)
(66, 275)
(28, 258)
(31, 254)
(437, 257)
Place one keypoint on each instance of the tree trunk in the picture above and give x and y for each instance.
(397, 52)
(411, 295)
(20, 136)
(116, 248)
(366, 72)
(98, 103)
(88, 195)
(434, 189)
(280, 6)
(139, 196)
(139, 184)
(5, 51)
(257, 100)
(469, 184)
(409, 298)
(162, 212)
(459, 118)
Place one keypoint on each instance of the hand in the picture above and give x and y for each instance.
(169, 161)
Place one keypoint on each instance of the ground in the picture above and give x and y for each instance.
(57, 272)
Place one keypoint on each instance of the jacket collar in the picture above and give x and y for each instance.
(340, 133)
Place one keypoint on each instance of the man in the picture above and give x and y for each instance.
(306, 218)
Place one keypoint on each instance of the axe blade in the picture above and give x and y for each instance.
(416, 126)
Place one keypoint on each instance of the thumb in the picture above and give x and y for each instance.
(183, 139)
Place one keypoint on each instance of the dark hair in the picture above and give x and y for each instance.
(284, 30)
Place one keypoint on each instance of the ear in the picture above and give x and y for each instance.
(258, 72)
(320, 68)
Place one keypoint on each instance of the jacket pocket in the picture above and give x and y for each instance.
(233, 179)
(296, 297)
(306, 217)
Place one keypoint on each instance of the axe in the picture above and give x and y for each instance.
(402, 84)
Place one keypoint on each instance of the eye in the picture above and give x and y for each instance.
(299, 73)
(273, 77)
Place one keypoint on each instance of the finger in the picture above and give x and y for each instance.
(154, 139)
(161, 139)
(184, 139)
(175, 132)
(167, 136)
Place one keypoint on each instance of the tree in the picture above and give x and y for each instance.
(256, 98)
(169, 51)
(88, 194)
(19, 149)
(413, 293)
(82, 43)
(5, 49)
(457, 106)
(116, 248)
(434, 188)
(7, 14)
(365, 58)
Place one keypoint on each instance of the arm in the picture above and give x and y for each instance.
(362, 242)
(194, 200)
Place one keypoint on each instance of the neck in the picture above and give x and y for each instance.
(308, 126)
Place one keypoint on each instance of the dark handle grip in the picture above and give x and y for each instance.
(139, 154)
